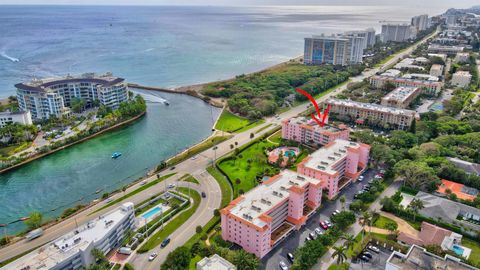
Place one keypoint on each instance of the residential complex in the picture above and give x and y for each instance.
(401, 97)
(397, 32)
(52, 97)
(343, 50)
(436, 70)
(420, 22)
(460, 190)
(462, 57)
(372, 113)
(419, 258)
(428, 87)
(24, 118)
(259, 219)
(336, 164)
(74, 250)
(444, 49)
(304, 130)
(461, 79)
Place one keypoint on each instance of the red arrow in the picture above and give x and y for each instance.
(314, 102)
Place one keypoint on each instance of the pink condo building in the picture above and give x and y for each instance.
(305, 130)
(259, 219)
(336, 164)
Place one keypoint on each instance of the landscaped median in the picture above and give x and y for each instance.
(157, 238)
(198, 148)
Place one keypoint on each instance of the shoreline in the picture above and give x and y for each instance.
(119, 125)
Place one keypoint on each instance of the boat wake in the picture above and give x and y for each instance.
(152, 98)
(8, 57)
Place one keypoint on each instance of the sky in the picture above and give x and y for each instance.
(442, 3)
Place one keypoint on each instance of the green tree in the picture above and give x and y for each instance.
(339, 252)
(344, 219)
(349, 240)
(417, 175)
(198, 229)
(177, 259)
(34, 220)
(365, 220)
(391, 227)
(78, 104)
(415, 206)
(343, 199)
(245, 261)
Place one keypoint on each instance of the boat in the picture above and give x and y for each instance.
(116, 155)
(166, 103)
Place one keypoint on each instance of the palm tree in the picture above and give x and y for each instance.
(340, 254)
(343, 199)
(349, 240)
(415, 206)
(365, 220)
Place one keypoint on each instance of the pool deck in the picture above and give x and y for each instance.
(142, 220)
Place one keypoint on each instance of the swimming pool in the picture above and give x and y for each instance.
(289, 153)
(458, 250)
(152, 212)
(437, 106)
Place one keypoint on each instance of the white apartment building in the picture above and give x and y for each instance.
(53, 97)
(335, 50)
(462, 57)
(215, 262)
(429, 87)
(401, 97)
(397, 32)
(24, 118)
(461, 79)
(420, 22)
(73, 250)
(436, 70)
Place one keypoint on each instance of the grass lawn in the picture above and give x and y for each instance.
(382, 221)
(248, 163)
(189, 178)
(224, 185)
(196, 149)
(140, 189)
(276, 137)
(342, 266)
(173, 224)
(12, 149)
(230, 122)
(251, 125)
(193, 262)
(475, 246)
(263, 128)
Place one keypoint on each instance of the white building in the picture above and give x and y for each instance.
(420, 22)
(335, 50)
(54, 96)
(461, 78)
(24, 118)
(215, 262)
(401, 97)
(73, 250)
(371, 38)
(436, 70)
(462, 57)
(397, 32)
(439, 55)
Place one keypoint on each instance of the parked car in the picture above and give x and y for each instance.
(143, 182)
(34, 234)
(323, 225)
(364, 258)
(367, 254)
(165, 242)
(360, 179)
(171, 185)
(125, 251)
(172, 168)
(374, 248)
(204, 195)
(308, 238)
(312, 235)
(283, 266)
(336, 212)
(329, 224)
(290, 257)
(318, 231)
(152, 256)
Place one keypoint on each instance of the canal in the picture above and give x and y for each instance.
(81, 173)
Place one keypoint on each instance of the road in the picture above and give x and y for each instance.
(192, 166)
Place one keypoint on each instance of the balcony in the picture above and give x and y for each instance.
(343, 182)
(308, 211)
(281, 232)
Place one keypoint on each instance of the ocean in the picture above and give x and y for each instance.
(168, 46)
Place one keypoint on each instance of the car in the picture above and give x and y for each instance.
(323, 225)
(204, 195)
(193, 158)
(172, 168)
(318, 231)
(382, 171)
(336, 212)
(367, 254)
(374, 248)
(290, 257)
(364, 258)
(283, 265)
(143, 183)
(152, 256)
(166, 196)
(378, 177)
(329, 224)
(171, 185)
(312, 235)
(165, 242)
(360, 179)
(108, 200)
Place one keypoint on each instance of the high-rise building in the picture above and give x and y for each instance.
(74, 250)
(420, 22)
(52, 97)
(371, 38)
(397, 32)
(335, 50)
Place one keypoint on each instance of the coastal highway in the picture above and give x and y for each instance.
(195, 167)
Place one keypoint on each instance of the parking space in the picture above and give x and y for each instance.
(377, 261)
(298, 238)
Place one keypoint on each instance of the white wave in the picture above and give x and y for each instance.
(150, 97)
(149, 49)
(6, 56)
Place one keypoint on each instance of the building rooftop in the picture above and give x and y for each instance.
(313, 125)
(370, 106)
(260, 200)
(418, 258)
(400, 93)
(420, 82)
(435, 206)
(460, 190)
(326, 157)
(215, 262)
(438, 47)
(420, 76)
(462, 73)
(44, 84)
(68, 245)
(392, 73)
(469, 167)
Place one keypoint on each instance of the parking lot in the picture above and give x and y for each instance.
(297, 238)
(378, 260)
